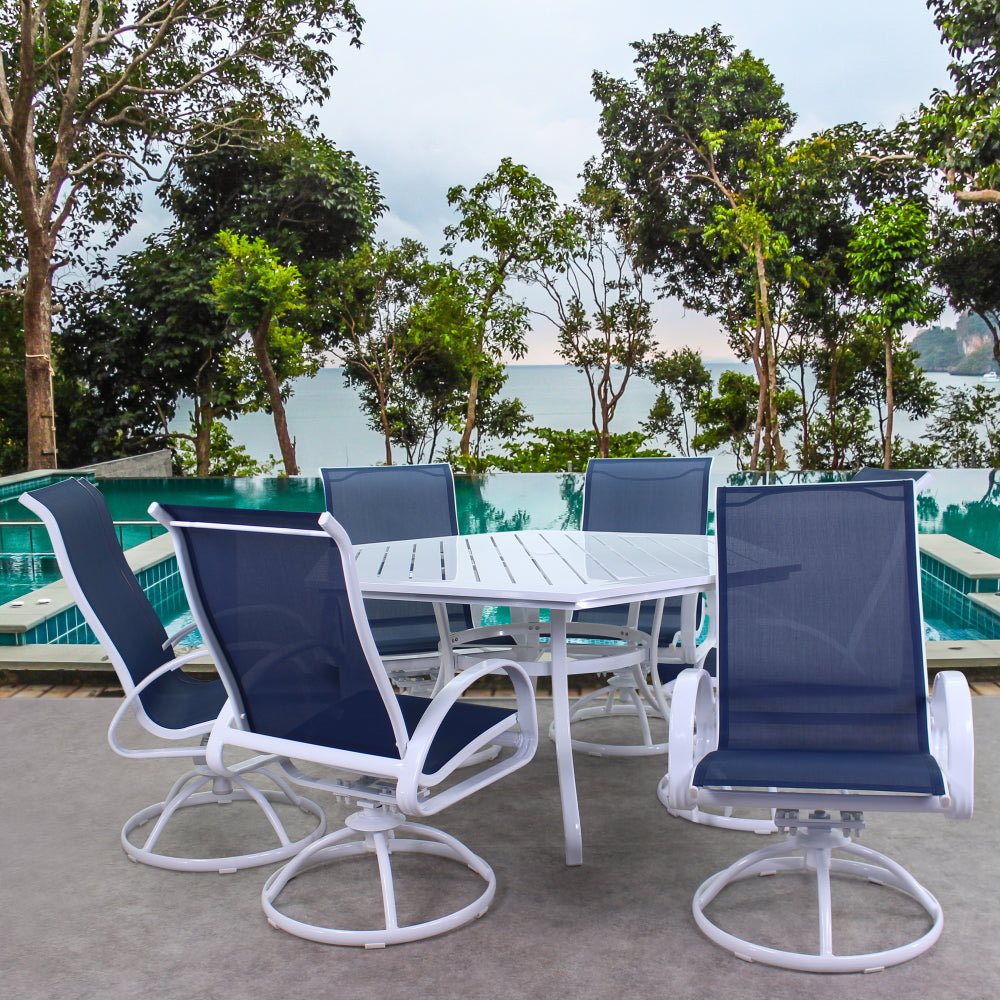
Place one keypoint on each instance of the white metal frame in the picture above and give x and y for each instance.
(833, 818)
(386, 789)
(558, 570)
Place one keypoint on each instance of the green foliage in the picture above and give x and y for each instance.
(561, 451)
(960, 129)
(728, 419)
(406, 331)
(888, 258)
(307, 198)
(99, 97)
(967, 265)
(105, 92)
(514, 223)
(598, 302)
(966, 429)
(226, 458)
(682, 378)
(251, 281)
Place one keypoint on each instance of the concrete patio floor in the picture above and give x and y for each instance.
(77, 920)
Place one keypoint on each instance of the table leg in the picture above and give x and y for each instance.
(563, 740)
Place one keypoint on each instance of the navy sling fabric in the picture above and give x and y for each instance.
(668, 495)
(385, 503)
(278, 608)
(821, 672)
(117, 603)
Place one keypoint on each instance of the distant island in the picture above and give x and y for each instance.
(965, 350)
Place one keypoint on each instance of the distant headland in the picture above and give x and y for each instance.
(966, 349)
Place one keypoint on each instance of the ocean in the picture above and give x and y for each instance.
(329, 428)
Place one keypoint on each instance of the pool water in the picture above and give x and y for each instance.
(964, 503)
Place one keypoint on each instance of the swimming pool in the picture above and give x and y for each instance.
(964, 503)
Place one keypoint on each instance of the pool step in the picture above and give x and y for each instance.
(973, 563)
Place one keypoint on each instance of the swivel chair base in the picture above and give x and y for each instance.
(816, 843)
(188, 791)
(378, 828)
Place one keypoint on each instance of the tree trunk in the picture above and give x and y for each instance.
(889, 403)
(383, 408)
(774, 450)
(285, 443)
(205, 417)
(38, 368)
(470, 416)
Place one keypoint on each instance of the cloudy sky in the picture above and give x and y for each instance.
(443, 89)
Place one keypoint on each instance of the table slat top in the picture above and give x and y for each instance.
(566, 569)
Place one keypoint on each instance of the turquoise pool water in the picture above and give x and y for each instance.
(964, 503)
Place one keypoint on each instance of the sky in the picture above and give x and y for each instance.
(442, 90)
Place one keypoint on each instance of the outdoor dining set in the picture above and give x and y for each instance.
(776, 665)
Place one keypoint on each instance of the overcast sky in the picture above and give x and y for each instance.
(441, 90)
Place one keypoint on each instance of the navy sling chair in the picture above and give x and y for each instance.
(870, 474)
(823, 713)
(281, 611)
(665, 495)
(385, 503)
(164, 700)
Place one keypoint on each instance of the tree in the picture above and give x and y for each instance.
(728, 418)
(966, 429)
(563, 451)
(960, 130)
(966, 264)
(254, 289)
(144, 333)
(888, 258)
(694, 146)
(396, 314)
(598, 304)
(94, 97)
(682, 378)
(145, 330)
(508, 216)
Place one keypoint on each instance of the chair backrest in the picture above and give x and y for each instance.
(870, 474)
(668, 495)
(383, 503)
(94, 567)
(243, 516)
(820, 631)
(281, 611)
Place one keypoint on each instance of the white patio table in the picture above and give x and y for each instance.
(560, 570)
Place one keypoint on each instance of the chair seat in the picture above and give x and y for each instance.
(177, 701)
(354, 724)
(916, 773)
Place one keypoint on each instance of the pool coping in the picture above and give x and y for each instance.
(54, 598)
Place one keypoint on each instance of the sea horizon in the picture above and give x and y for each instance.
(326, 421)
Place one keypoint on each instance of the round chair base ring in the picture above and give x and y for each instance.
(383, 844)
(626, 696)
(648, 748)
(873, 867)
(186, 798)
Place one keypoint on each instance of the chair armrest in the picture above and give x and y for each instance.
(130, 704)
(171, 640)
(413, 782)
(952, 739)
(693, 733)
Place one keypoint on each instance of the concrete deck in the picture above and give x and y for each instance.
(77, 920)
